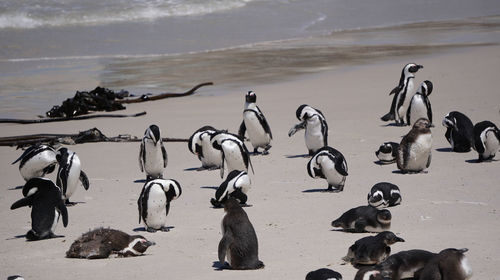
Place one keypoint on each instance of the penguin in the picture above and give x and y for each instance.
(239, 244)
(152, 155)
(414, 153)
(371, 250)
(236, 185)
(486, 140)
(449, 264)
(15, 277)
(323, 274)
(459, 131)
(100, 243)
(47, 206)
(199, 144)
(316, 128)
(330, 164)
(255, 124)
(154, 202)
(37, 161)
(368, 273)
(364, 219)
(234, 152)
(384, 195)
(69, 173)
(420, 105)
(402, 92)
(387, 152)
(403, 264)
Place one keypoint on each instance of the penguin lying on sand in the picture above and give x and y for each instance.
(255, 124)
(384, 195)
(37, 161)
(371, 250)
(448, 264)
(236, 185)
(387, 152)
(323, 274)
(364, 219)
(70, 174)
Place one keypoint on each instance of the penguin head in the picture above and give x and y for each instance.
(304, 112)
(34, 185)
(250, 97)
(172, 189)
(390, 238)
(449, 121)
(375, 199)
(422, 124)
(231, 204)
(153, 133)
(426, 88)
(412, 68)
(137, 246)
(384, 216)
(368, 274)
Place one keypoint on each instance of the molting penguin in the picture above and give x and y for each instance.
(314, 122)
(402, 92)
(387, 152)
(323, 274)
(403, 264)
(414, 153)
(154, 202)
(70, 173)
(420, 105)
(449, 264)
(255, 124)
(199, 144)
(486, 140)
(459, 131)
(236, 185)
(384, 195)
(37, 161)
(152, 155)
(239, 242)
(102, 242)
(330, 164)
(364, 219)
(371, 250)
(47, 205)
(234, 152)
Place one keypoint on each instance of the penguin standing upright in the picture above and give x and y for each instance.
(236, 185)
(234, 152)
(420, 105)
(316, 128)
(371, 250)
(199, 144)
(449, 264)
(414, 154)
(459, 131)
(364, 218)
(330, 164)
(37, 161)
(69, 173)
(402, 93)
(486, 140)
(255, 124)
(152, 155)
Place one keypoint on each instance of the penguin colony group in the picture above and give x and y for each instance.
(220, 149)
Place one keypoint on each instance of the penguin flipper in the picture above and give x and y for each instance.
(395, 90)
(64, 212)
(164, 154)
(224, 243)
(242, 130)
(25, 201)
(141, 157)
(341, 166)
(263, 122)
(84, 179)
(296, 128)
(428, 160)
(408, 113)
(222, 166)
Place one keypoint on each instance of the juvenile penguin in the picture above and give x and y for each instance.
(384, 195)
(154, 202)
(37, 161)
(234, 152)
(70, 173)
(402, 93)
(323, 274)
(364, 219)
(316, 128)
(387, 152)
(371, 250)
(329, 164)
(255, 124)
(239, 243)
(236, 185)
(459, 131)
(152, 155)
(100, 243)
(403, 264)
(486, 140)
(449, 264)
(414, 153)
(420, 105)
(47, 205)
(199, 144)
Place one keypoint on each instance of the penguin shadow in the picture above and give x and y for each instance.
(73, 203)
(393, 124)
(143, 229)
(15, 188)
(445, 150)
(409, 173)
(220, 267)
(480, 161)
(381, 163)
(298, 156)
(142, 181)
(17, 237)
(316, 191)
(201, 168)
(347, 230)
(209, 187)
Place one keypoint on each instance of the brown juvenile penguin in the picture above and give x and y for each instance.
(364, 218)
(371, 250)
(449, 264)
(414, 153)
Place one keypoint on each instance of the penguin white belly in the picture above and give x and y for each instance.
(466, 269)
(314, 136)
(73, 177)
(34, 166)
(419, 153)
(256, 133)
(56, 219)
(154, 160)
(211, 156)
(332, 176)
(418, 109)
(233, 156)
(490, 143)
(157, 202)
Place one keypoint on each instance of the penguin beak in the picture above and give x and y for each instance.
(398, 239)
(149, 243)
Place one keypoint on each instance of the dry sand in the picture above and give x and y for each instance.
(453, 205)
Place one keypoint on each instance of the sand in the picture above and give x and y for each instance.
(454, 204)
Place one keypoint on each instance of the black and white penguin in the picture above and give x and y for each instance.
(364, 219)
(459, 131)
(420, 105)
(371, 250)
(414, 153)
(255, 124)
(236, 185)
(486, 140)
(37, 161)
(329, 164)
(235, 154)
(100, 243)
(387, 152)
(70, 173)
(47, 205)
(402, 94)
(450, 264)
(316, 128)
(403, 264)
(199, 144)
(323, 274)
(239, 243)
(152, 155)
(154, 202)
(384, 195)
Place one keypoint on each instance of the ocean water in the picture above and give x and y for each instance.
(49, 49)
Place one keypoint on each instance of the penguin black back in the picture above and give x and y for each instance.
(323, 274)
(459, 131)
(449, 264)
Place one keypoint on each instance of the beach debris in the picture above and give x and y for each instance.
(45, 120)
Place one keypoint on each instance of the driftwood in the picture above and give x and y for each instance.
(45, 120)
(145, 97)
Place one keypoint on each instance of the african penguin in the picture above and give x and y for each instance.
(70, 173)
(387, 152)
(414, 153)
(330, 164)
(236, 185)
(371, 250)
(384, 195)
(364, 219)
(420, 105)
(255, 124)
(37, 161)
(323, 274)
(316, 128)
(449, 264)
(234, 152)
(47, 205)
(486, 140)
(152, 155)
(199, 144)
(403, 264)
(459, 131)
(239, 243)
(154, 202)
(100, 243)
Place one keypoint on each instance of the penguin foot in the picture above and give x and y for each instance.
(152, 230)
(165, 229)
(69, 203)
(265, 152)
(216, 204)
(387, 117)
